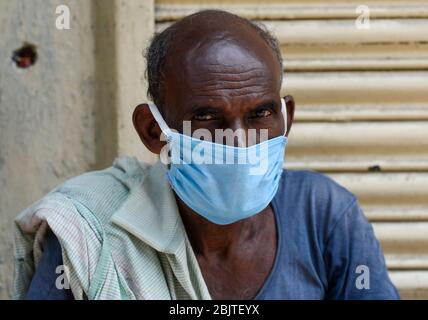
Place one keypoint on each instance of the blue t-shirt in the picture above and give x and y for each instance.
(326, 247)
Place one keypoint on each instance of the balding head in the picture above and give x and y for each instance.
(195, 31)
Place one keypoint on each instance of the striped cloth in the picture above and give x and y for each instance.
(121, 236)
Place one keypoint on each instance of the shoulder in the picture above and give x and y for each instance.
(124, 172)
(99, 191)
(316, 187)
(103, 191)
(74, 211)
(314, 200)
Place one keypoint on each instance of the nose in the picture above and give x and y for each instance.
(238, 134)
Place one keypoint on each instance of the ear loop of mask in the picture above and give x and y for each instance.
(163, 126)
(284, 114)
(159, 119)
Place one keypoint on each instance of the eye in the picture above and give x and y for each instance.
(263, 113)
(204, 117)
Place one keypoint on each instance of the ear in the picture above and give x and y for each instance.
(289, 102)
(147, 128)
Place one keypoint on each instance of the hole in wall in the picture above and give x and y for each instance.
(25, 57)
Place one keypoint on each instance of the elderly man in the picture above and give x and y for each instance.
(195, 226)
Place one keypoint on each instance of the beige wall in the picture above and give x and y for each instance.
(362, 104)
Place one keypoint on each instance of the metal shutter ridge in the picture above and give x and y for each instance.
(362, 109)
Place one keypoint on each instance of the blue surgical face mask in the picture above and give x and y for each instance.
(223, 183)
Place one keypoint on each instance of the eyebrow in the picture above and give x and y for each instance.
(269, 103)
(197, 109)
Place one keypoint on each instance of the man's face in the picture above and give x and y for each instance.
(219, 82)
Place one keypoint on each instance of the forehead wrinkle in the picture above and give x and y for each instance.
(233, 83)
(227, 73)
(206, 74)
(227, 81)
(235, 87)
(230, 93)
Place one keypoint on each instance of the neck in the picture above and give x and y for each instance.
(208, 238)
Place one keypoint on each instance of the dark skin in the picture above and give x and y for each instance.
(221, 77)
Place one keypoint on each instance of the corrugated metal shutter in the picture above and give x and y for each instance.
(362, 109)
